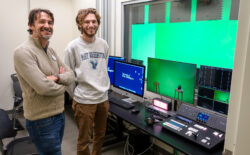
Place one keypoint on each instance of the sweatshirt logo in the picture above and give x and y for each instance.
(85, 56)
(93, 63)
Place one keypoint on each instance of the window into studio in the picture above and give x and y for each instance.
(202, 32)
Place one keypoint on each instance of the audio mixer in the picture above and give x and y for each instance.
(202, 127)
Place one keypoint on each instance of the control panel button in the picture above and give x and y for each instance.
(216, 133)
(189, 133)
(203, 140)
(220, 135)
(200, 127)
(192, 129)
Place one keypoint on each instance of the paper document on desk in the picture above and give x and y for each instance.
(129, 100)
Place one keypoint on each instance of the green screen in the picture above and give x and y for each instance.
(169, 75)
(210, 42)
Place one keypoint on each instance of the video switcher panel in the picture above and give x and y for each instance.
(202, 127)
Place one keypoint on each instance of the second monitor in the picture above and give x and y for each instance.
(165, 76)
(111, 64)
(129, 77)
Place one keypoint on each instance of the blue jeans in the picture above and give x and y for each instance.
(47, 134)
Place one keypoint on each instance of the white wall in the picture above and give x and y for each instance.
(13, 31)
(14, 19)
(77, 5)
(64, 23)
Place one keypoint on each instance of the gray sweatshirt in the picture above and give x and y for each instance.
(89, 63)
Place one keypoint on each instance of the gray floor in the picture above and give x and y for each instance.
(70, 137)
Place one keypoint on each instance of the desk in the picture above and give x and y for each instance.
(156, 131)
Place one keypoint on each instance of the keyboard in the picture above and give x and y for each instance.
(121, 103)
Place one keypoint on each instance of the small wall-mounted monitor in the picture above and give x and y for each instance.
(129, 77)
(168, 78)
(214, 88)
(111, 62)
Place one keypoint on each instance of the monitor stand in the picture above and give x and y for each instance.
(129, 100)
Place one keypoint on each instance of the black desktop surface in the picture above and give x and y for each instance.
(157, 131)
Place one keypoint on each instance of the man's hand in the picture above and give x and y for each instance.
(53, 78)
(56, 78)
(61, 70)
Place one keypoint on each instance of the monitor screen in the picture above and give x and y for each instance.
(214, 88)
(129, 77)
(165, 77)
(111, 66)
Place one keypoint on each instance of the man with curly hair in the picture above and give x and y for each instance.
(87, 56)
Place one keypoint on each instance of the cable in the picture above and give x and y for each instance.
(126, 147)
(147, 148)
(129, 146)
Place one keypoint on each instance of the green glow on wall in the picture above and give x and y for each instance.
(225, 15)
(146, 8)
(221, 96)
(193, 10)
(201, 42)
(167, 15)
(144, 46)
(209, 43)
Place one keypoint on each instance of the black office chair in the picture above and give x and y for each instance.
(10, 127)
(18, 99)
(18, 146)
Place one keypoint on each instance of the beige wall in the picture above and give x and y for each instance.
(238, 126)
(64, 22)
(14, 14)
(13, 30)
(77, 5)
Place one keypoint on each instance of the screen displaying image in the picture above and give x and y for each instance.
(111, 64)
(164, 77)
(214, 88)
(129, 77)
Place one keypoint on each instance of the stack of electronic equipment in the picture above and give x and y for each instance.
(202, 127)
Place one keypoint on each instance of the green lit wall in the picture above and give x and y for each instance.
(143, 42)
(209, 43)
(201, 42)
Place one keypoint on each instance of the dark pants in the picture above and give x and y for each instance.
(88, 117)
(47, 134)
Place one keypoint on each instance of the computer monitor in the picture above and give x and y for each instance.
(111, 62)
(214, 88)
(129, 77)
(169, 78)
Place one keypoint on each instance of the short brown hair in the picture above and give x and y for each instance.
(83, 13)
(33, 16)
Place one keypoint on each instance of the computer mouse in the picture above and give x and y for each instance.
(135, 111)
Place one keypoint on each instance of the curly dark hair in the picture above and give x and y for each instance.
(83, 13)
(33, 16)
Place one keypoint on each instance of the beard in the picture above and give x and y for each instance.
(45, 37)
(87, 34)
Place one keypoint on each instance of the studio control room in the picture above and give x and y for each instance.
(125, 77)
